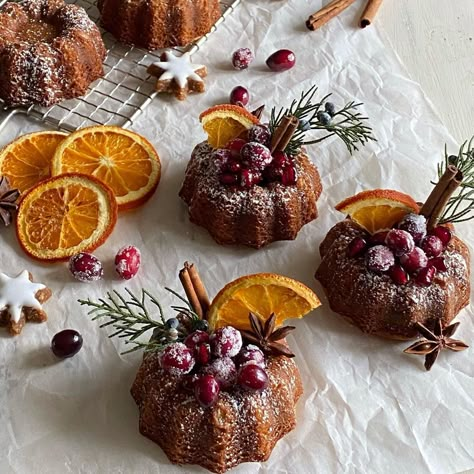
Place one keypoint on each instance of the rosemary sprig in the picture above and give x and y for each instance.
(347, 123)
(460, 207)
(131, 318)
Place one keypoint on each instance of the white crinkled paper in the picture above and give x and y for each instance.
(367, 407)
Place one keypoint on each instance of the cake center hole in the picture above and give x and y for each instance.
(38, 31)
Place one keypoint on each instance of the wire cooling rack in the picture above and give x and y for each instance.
(121, 94)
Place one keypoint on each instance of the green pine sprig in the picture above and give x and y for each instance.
(347, 123)
(460, 207)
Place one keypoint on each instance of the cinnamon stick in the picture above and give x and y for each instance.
(370, 11)
(191, 294)
(285, 130)
(321, 17)
(438, 190)
(199, 288)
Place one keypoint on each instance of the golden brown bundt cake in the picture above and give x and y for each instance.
(49, 51)
(242, 426)
(378, 302)
(254, 216)
(154, 24)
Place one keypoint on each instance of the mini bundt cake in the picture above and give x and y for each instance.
(154, 24)
(49, 51)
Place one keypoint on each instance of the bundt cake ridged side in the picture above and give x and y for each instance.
(154, 24)
(374, 303)
(49, 51)
(240, 427)
(256, 216)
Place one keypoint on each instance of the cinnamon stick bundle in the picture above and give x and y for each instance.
(194, 289)
(370, 11)
(332, 9)
(285, 130)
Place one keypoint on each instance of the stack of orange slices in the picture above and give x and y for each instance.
(72, 186)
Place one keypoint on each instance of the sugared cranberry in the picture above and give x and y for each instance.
(234, 166)
(248, 178)
(221, 157)
(260, 133)
(206, 390)
(252, 377)
(398, 274)
(378, 238)
(251, 355)
(239, 96)
(414, 260)
(415, 225)
(281, 60)
(242, 58)
(432, 246)
(379, 258)
(256, 156)
(289, 177)
(443, 233)
(127, 262)
(226, 342)
(439, 263)
(177, 359)
(235, 146)
(280, 159)
(274, 171)
(399, 241)
(425, 276)
(196, 338)
(66, 343)
(228, 179)
(85, 267)
(223, 370)
(356, 247)
(202, 354)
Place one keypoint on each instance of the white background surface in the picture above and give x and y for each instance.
(367, 407)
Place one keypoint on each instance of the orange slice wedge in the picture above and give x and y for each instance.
(223, 123)
(123, 160)
(378, 209)
(262, 294)
(27, 160)
(65, 215)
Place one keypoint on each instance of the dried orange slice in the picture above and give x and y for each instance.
(223, 123)
(262, 294)
(378, 209)
(27, 160)
(123, 160)
(65, 215)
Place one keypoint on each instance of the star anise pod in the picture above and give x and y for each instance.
(435, 341)
(8, 198)
(263, 334)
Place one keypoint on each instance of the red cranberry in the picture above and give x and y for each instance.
(206, 390)
(127, 262)
(398, 274)
(280, 159)
(432, 246)
(223, 370)
(379, 258)
(239, 96)
(252, 377)
(248, 178)
(356, 247)
(439, 263)
(221, 157)
(260, 133)
(85, 267)
(235, 146)
(443, 233)
(289, 176)
(251, 355)
(415, 225)
(66, 343)
(414, 260)
(425, 276)
(228, 179)
(203, 354)
(226, 342)
(242, 58)
(196, 338)
(177, 359)
(378, 238)
(234, 166)
(281, 60)
(399, 241)
(256, 156)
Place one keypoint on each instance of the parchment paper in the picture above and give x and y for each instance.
(367, 407)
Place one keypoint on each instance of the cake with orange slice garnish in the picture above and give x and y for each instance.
(393, 265)
(218, 384)
(252, 183)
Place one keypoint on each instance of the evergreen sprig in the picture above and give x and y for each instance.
(347, 123)
(131, 318)
(460, 207)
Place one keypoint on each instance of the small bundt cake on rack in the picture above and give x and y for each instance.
(49, 51)
(154, 24)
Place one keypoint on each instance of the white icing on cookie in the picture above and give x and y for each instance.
(179, 69)
(18, 292)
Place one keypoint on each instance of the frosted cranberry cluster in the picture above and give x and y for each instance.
(246, 163)
(405, 252)
(209, 363)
